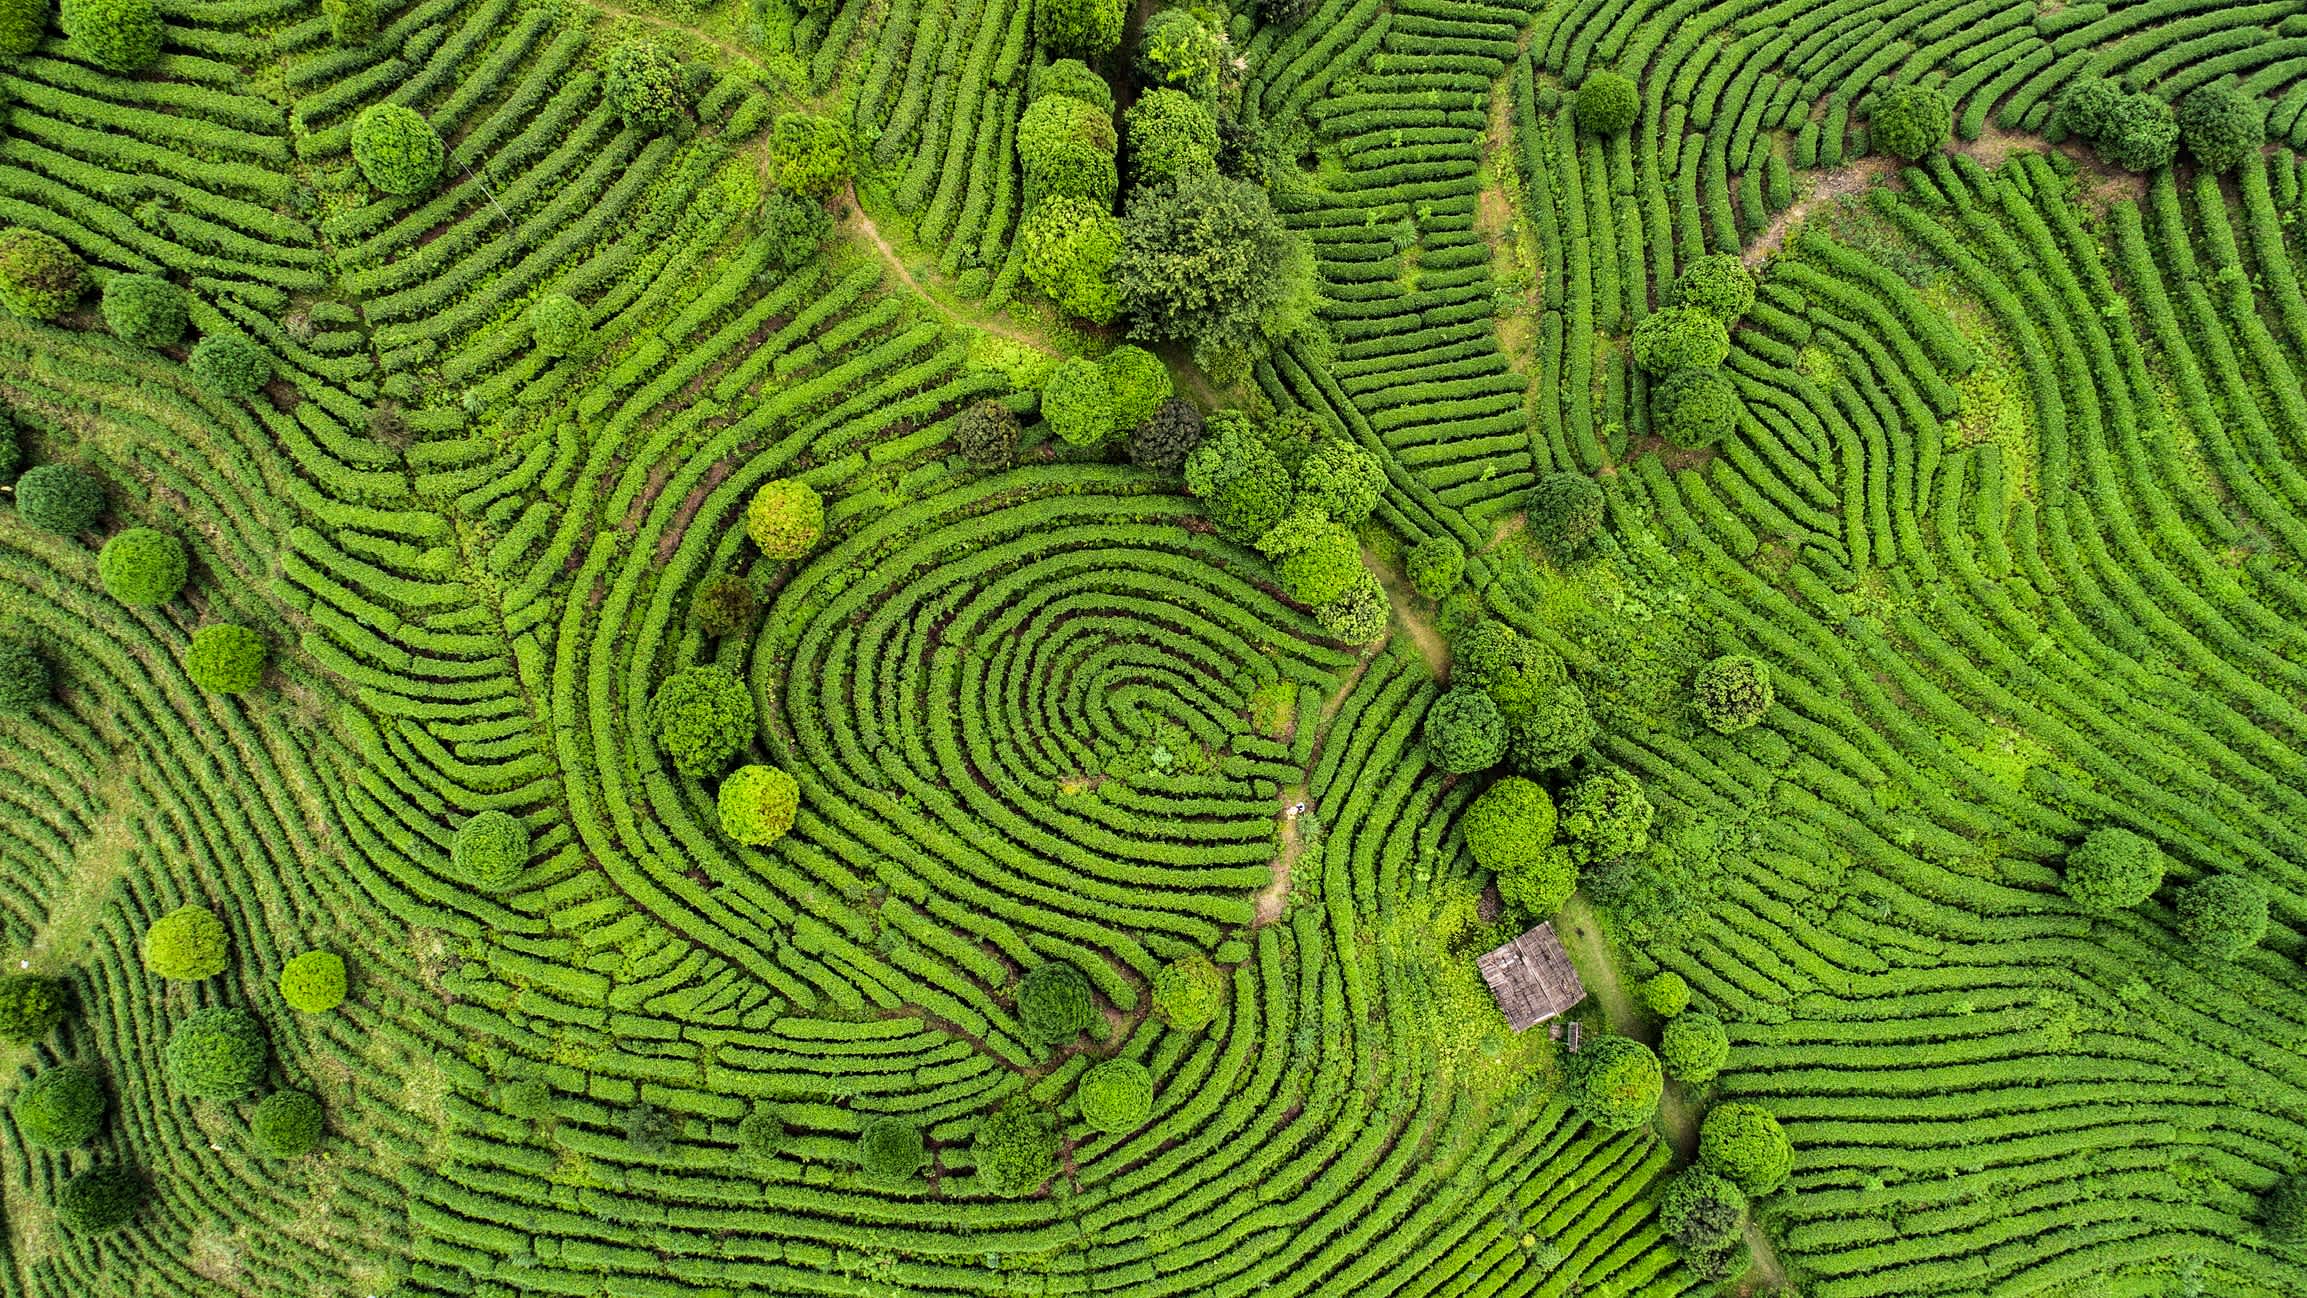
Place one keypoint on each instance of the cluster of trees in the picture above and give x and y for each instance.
(1743, 1154)
(1296, 492)
(2138, 131)
(1693, 1045)
(42, 278)
(2114, 869)
(1088, 402)
(1682, 347)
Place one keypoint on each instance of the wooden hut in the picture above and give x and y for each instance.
(1532, 978)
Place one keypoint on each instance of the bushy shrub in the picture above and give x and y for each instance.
(1178, 51)
(2283, 1210)
(1241, 483)
(490, 850)
(1695, 1047)
(890, 1150)
(1550, 731)
(649, 1130)
(142, 567)
(986, 434)
(115, 35)
(1054, 1003)
(1340, 480)
(1678, 338)
(2086, 109)
(218, 1053)
(1509, 826)
(24, 680)
(186, 945)
(1291, 434)
(1071, 246)
(1138, 382)
(313, 983)
(1703, 1217)
(643, 85)
(2142, 134)
(810, 154)
(1016, 1148)
(1733, 692)
(526, 1098)
(2113, 869)
(794, 226)
(1664, 995)
(60, 1108)
(104, 1197)
(1073, 79)
(1606, 815)
(1606, 103)
(1116, 1096)
(1170, 135)
(59, 498)
(757, 804)
(1088, 27)
(231, 365)
(1466, 733)
(1539, 888)
(723, 605)
(1163, 442)
(398, 150)
(1078, 402)
(1206, 260)
(1066, 147)
(1614, 1083)
(286, 1124)
(22, 25)
(1322, 569)
(31, 1004)
(2222, 126)
(1566, 511)
(1744, 1144)
(703, 717)
(557, 325)
(1694, 408)
(761, 1134)
(1188, 992)
(145, 310)
(1358, 616)
(225, 658)
(1436, 565)
(1495, 658)
(41, 278)
(2222, 915)
(1909, 121)
(1717, 283)
(785, 518)
(350, 22)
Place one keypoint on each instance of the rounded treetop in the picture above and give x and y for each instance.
(1911, 120)
(491, 850)
(757, 804)
(785, 518)
(186, 945)
(1116, 1096)
(2113, 869)
(1744, 1143)
(1606, 103)
(313, 983)
(60, 1108)
(143, 567)
(59, 498)
(218, 1053)
(397, 149)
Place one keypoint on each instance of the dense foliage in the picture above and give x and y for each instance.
(1206, 260)
(146, 310)
(1016, 1148)
(890, 1150)
(186, 945)
(1189, 992)
(231, 365)
(32, 1005)
(115, 35)
(1054, 1002)
(226, 658)
(1911, 120)
(1732, 693)
(1745, 1144)
(1614, 1083)
(218, 1053)
(2113, 869)
(785, 518)
(703, 718)
(1115, 1096)
(397, 149)
(101, 1198)
(314, 982)
(2223, 915)
(757, 804)
(60, 1108)
(142, 567)
(1465, 732)
(1694, 1047)
(642, 81)
(490, 850)
(286, 1124)
(2221, 126)
(1606, 103)
(59, 498)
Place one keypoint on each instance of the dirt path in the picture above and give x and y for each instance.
(1825, 187)
(728, 47)
(1414, 623)
(1275, 896)
(857, 222)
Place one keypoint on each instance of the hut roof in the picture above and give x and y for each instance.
(1532, 977)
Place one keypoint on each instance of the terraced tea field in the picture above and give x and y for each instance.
(906, 647)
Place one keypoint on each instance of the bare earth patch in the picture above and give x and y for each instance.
(1825, 187)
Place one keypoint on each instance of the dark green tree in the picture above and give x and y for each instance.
(146, 310)
(218, 1053)
(231, 365)
(1466, 733)
(1606, 103)
(116, 35)
(1694, 408)
(1240, 482)
(60, 1108)
(1163, 442)
(703, 717)
(1614, 1083)
(1205, 260)
(2222, 915)
(1732, 693)
(1911, 120)
(2113, 870)
(2221, 125)
(1016, 1148)
(286, 1124)
(643, 84)
(397, 149)
(105, 1197)
(490, 851)
(1745, 1145)
(1703, 1216)
(890, 1150)
(59, 498)
(41, 278)
(1566, 511)
(1054, 1002)
(32, 1005)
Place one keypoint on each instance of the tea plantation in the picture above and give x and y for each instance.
(863, 648)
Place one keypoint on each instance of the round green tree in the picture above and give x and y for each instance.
(286, 1124)
(2283, 1210)
(60, 1108)
(1566, 512)
(115, 35)
(1070, 246)
(1606, 103)
(142, 567)
(1170, 134)
(1071, 78)
(2087, 108)
(2112, 870)
(41, 278)
(2222, 915)
(1717, 283)
(1695, 1047)
(786, 517)
(1436, 565)
(31, 1004)
(313, 983)
(1188, 993)
(1910, 120)
(1745, 1145)
(1614, 1083)
(703, 717)
(757, 804)
(1178, 51)
(1078, 402)
(1066, 148)
(231, 365)
(890, 1150)
(1679, 338)
(1539, 888)
(1241, 483)
(490, 850)
(1322, 569)
(1695, 408)
(1016, 1148)
(724, 605)
(24, 679)
(59, 498)
(1357, 617)
(1703, 1217)
(2221, 125)
(1086, 27)
(1508, 827)
(1116, 1096)
(1732, 693)
(105, 1197)
(22, 25)
(186, 945)
(1606, 815)
(1550, 730)
(218, 1053)
(1163, 442)
(225, 658)
(1340, 480)
(985, 434)
(1054, 1002)
(146, 310)
(1206, 260)
(761, 1134)
(1138, 382)
(397, 149)
(641, 82)
(1664, 995)
(2142, 134)
(557, 325)
(810, 154)
(1465, 733)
